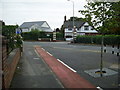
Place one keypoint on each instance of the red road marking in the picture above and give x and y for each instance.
(67, 77)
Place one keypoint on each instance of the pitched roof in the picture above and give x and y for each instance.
(29, 24)
(40, 23)
(69, 24)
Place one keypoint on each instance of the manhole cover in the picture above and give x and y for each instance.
(96, 72)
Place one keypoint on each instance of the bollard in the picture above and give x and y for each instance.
(104, 48)
(112, 49)
(118, 50)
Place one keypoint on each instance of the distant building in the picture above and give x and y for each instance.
(81, 28)
(39, 25)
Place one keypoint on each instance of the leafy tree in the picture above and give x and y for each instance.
(102, 16)
(114, 22)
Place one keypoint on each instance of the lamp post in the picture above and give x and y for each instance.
(74, 31)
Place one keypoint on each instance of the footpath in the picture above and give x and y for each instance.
(38, 69)
(33, 72)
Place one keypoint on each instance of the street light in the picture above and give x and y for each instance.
(74, 30)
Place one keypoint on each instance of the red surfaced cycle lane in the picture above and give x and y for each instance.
(67, 77)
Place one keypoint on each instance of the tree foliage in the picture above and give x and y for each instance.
(103, 16)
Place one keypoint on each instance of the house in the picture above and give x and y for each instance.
(80, 27)
(39, 25)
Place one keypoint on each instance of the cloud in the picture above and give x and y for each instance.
(52, 11)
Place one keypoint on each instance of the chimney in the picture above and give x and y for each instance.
(65, 18)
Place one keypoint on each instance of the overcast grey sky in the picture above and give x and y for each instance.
(52, 11)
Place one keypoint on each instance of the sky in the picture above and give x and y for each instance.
(53, 11)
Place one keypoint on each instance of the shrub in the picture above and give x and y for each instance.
(108, 39)
(35, 34)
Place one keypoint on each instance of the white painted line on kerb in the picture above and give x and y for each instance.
(43, 49)
(36, 53)
(49, 54)
(99, 88)
(66, 65)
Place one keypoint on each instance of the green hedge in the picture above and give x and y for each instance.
(13, 40)
(35, 34)
(108, 39)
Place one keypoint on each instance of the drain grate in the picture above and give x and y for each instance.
(95, 72)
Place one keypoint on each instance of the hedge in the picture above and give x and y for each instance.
(13, 41)
(35, 34)
(108, 39)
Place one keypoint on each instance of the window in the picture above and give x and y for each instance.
(86, 28)
(69, 29)
(68, 36)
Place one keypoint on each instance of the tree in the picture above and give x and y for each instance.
(114, 22)
(102, 16)
(57, 30)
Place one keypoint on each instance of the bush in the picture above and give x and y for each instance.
(108, 39)
(35, 34)
(60, 36)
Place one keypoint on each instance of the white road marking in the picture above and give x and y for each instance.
(99, 88)
(49, 54)
(43, 49)
(37, 53)
(35, 58)
(66, 65)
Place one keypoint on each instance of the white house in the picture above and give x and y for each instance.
(81, 28)
(39, 25)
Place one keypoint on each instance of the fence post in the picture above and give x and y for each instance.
(118, 50)
(105, 48)
(112, 49)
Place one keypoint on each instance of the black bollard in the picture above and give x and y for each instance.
(112, 49)
(104, 48)
(118, 50)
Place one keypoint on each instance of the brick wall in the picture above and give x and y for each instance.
(9, 67)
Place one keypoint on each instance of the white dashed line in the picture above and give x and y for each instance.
(43, 49)
(49, 54)
(35, 58)
(66, 65)
(36, 53)
(99, 88)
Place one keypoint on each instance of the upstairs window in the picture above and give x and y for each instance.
(69, 29)
(86, 28)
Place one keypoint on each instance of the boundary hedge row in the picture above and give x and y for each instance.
(108, 39)
(35, 34)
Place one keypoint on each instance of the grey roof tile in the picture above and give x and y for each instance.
(29, 24)
(69, 24)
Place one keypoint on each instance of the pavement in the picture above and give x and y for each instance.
(33, 72)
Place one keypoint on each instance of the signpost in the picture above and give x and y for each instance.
(54, 35)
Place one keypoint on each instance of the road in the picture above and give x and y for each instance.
(82, 58)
